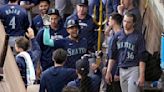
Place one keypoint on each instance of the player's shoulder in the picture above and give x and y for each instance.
(72, 16)
(41, 31)
(69, 70)
(18, 7)
(47, 71)
(120, 33)
(2, 6)
(37, 17)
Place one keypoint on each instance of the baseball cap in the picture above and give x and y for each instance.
(82, 65)
(71, 23)
(53, 11)
(82, 2)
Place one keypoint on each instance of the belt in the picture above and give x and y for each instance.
(124, 67)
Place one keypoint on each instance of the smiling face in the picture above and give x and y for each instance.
(43, 7)
(54, 20)
(73, 31)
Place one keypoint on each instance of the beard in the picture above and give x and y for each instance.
(75, 37)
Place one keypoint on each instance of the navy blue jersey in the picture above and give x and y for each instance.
(14, 19)
(34, 54)
(75, 49)
(87, 29)
(55, 78)
(115, 70)
(46, 55)
(129, 49)
(37, 22)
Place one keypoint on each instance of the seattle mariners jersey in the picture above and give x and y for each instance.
(128, 49)
(38, 22)
(14, 19)
(115, 70)
(75, 49)
(87, 29)
(46, 55)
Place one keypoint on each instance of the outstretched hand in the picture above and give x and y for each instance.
(30, 33)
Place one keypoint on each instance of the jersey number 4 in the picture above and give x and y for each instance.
(12, 22)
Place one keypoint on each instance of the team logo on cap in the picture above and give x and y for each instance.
(53, 10)
(82, 1)
(70, 22)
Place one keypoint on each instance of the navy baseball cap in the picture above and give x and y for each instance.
(71, 23)
(82, 2)
(83, 65)
(53, 11)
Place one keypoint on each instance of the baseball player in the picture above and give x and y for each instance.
(129, 6)
(87, 26)
(37, 21)
(73, 44)
(14, 19)
(55, 78)
(128, 49)
(56, 32)
(114, 25)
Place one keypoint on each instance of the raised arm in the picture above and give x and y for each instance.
(46, 37)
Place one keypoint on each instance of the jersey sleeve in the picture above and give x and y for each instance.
(141, 48)
(35, 51)
(26, 21)
(60, 43)
(46, 38)
(112, 53)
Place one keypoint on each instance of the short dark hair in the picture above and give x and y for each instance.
(44, 1)
(129, 14)
(117, 17)
(70, 89)
(59, 56)
(23, 43)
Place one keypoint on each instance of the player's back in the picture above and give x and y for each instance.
(14, 19)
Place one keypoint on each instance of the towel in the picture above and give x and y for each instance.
(30, 72)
